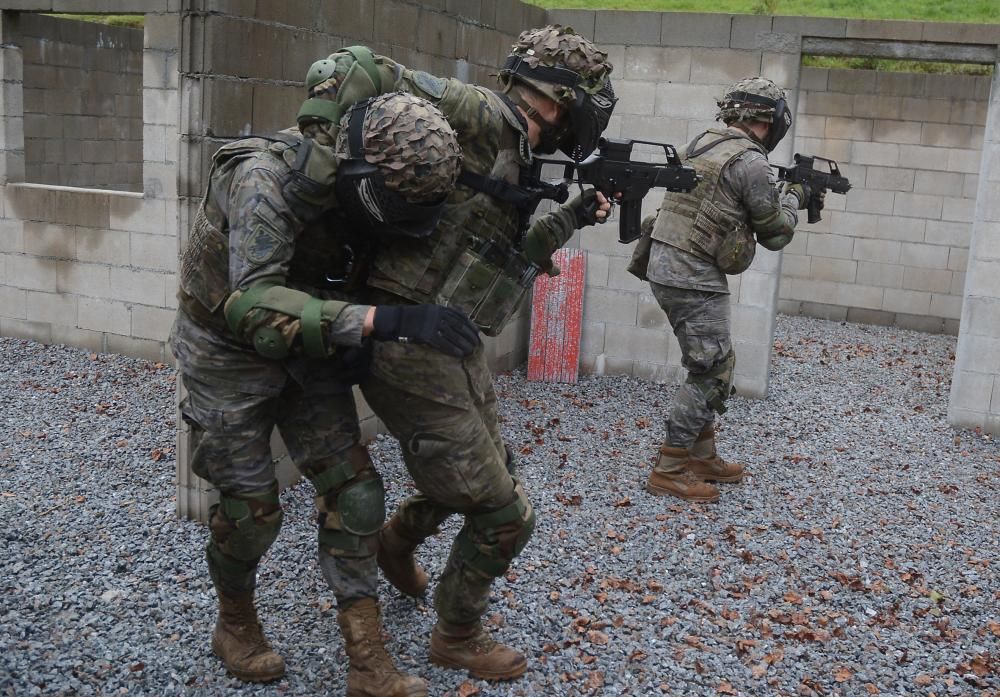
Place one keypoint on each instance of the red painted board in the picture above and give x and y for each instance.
(556, 320)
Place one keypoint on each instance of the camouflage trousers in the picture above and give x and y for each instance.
(700, 320)
(231, 441)
(443, 411)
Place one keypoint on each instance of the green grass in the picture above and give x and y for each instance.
(978, 11)
(896, 66)
(133, 21)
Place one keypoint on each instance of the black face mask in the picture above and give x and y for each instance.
(365, 199)
(781, 121)
(589, 117)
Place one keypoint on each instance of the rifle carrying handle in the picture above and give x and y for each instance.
(630, 223)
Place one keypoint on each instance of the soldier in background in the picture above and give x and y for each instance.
(264, 337)
(696, 240)
(482, 258)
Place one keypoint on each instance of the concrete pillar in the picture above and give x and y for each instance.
(975, 399)
(11, 104)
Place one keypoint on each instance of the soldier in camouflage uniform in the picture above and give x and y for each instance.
(481, 258)
(697, 238)
(265, 338)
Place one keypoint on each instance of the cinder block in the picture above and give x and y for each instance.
(582, 21)
(902, 84)
(656, 128)
(29, 272)
(810, 126)
(889, 178)
(826, 245)
(618, 27)
(912, 302)
(151, 322)
(967, 161)
(961, 33)
(884, 251)
(924, 110)
(635, 97)
(160, 106)
(891, 227)
(758, 289)
(657, 64)
(859, 82)
(881, 275)
(158, 252)
(827, 104)
(712, 30)
(968, 111)
(921, 157)
(81, 279)
(958, 260)
(857, 224)
(620, 279)
(971, 391)
(869, 201)
(438, 33)
(81, 338)
(747, 28)
(145, 287)
(794, 265)
(712, 66)
(848, 128)
(138, 348)
(634, 343)
(884, 154)
(854, 295)
(958, 283)
(930, 280)
(809, 290)
(591, 340)
(837, 150)
(104, 316)
(949, 233)
(33, 331)
(54, 308)
(814, 79)
(948, 306)
(897, 131)
(837, 270)
(597, 270)
(46, 240)
(941, 183)
(950, 136)
(610, 306)
(13, 303)
(860, 315)
(686, 101)
(811, 26)
(650, 314)
(135, 214)
(917, 205)
(884, 29)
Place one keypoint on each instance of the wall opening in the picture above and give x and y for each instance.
(82, 101)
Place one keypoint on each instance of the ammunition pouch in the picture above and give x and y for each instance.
(724, 237)
(204, 267)
(488, 284)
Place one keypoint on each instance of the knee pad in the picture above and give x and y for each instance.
(350, 499)
(717, 383)
(491, 540)
(245, 527)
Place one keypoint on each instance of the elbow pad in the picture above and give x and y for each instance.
(267, 339)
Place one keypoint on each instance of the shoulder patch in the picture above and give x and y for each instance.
(431, 84)
(264, 240)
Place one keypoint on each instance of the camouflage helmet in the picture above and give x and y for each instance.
(757, 99)
(400, 160)
(570, 70)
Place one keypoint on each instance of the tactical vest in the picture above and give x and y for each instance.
(319, 263)
(471, 261)
(705, 221)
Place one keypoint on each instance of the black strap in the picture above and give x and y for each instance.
(355, 123)
(514, 110)
(500, 189)
(544, 73)
(751, 98)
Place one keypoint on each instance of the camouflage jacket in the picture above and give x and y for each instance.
(746, 185)
(494, 141)
(251, 228)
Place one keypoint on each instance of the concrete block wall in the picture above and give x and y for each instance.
(668, 71)
(894, 250)
(82, 102)
(975, 385)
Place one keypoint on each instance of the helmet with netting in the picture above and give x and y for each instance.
(400, 160)
(567, 68)
(750, 99)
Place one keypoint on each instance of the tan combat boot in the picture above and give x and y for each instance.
(468, 646)
(706, 463)
(671, 477)
(395, 558)
(372, 673)
(239, 641)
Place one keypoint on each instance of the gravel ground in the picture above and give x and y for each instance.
(859, 557)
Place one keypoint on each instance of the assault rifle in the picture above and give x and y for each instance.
(802, 172)
(611, 170)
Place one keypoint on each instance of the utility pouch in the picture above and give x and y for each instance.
(488, 285)
(205, 263)
(724, 238)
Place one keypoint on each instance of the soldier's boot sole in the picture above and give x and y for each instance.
(661, 491)
(480, 673)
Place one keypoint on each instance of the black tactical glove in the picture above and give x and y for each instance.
(584, 208)
(802, 192)
(443, 328)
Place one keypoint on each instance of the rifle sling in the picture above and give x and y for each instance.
(694, 151)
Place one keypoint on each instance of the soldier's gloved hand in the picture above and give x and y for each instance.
(444, 328)
(819, 199)
(585, 208)
(802, 193)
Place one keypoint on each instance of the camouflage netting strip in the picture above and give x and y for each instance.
(557, 45)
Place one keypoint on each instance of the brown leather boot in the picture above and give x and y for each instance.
(469, 646)
(706, 463)
(372, 673)
(671, 477)
(239, 641)
(395, 558)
